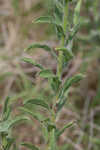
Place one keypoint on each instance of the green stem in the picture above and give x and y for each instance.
(60, 57)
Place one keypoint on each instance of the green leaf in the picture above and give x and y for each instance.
(43, 46)
(63, 94)
(6, 109)
(45, 19)
(46, 73)
(6, 125)
(60, 31)
(61, 102)
(33, 114)
(59, 132)
(72, 80)
(55, 83)
(58, 12)
(30, 146)
(29, 60)
(37, 102)
(9, 143)
(67, 54)
(73, 33)
(68, 83)
(77, 12)
(6, 105)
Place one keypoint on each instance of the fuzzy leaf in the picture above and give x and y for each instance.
(73, 33)
(59, 132)
(30, 146)
(6, 109)
(55, 83)
(37, 102)
(67, 54)
(29, 60)
(77, 12)
(61, 103)
(46, 73)
(6, 105)
(6, 125)
(28, 111)
(72, 80)
(60, 31)
(43, 46)
(45, 19)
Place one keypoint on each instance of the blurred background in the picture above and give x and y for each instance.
(19, 81)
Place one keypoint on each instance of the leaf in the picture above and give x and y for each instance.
(67, 54)
(43, 46)
(69, 83)
(73, 33)
(6, 125)
(37, 102)
(6, 105)
(45, 19)
(46, 73)
(60, 31)
(30, 146)
(58, 12)
(29, 60)
(6, 109)
(77, 12)
(63, 94)
(55, 83)
(61, 103)
(59, 132)
(72, 80)
(9, 143)
(28, 111)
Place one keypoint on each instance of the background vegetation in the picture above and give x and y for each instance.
(18, 79)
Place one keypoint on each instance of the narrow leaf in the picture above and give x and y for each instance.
(29, 60)
(6, 125)
(72, 80)
(42, 46)
(37, 102)
(67, 53)
(64, 128)
(6, 109)
(46, 73)
(6, 105)
(30, 146)
(45, 19)
(55, 83)
(30, 112)
(77, 12)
